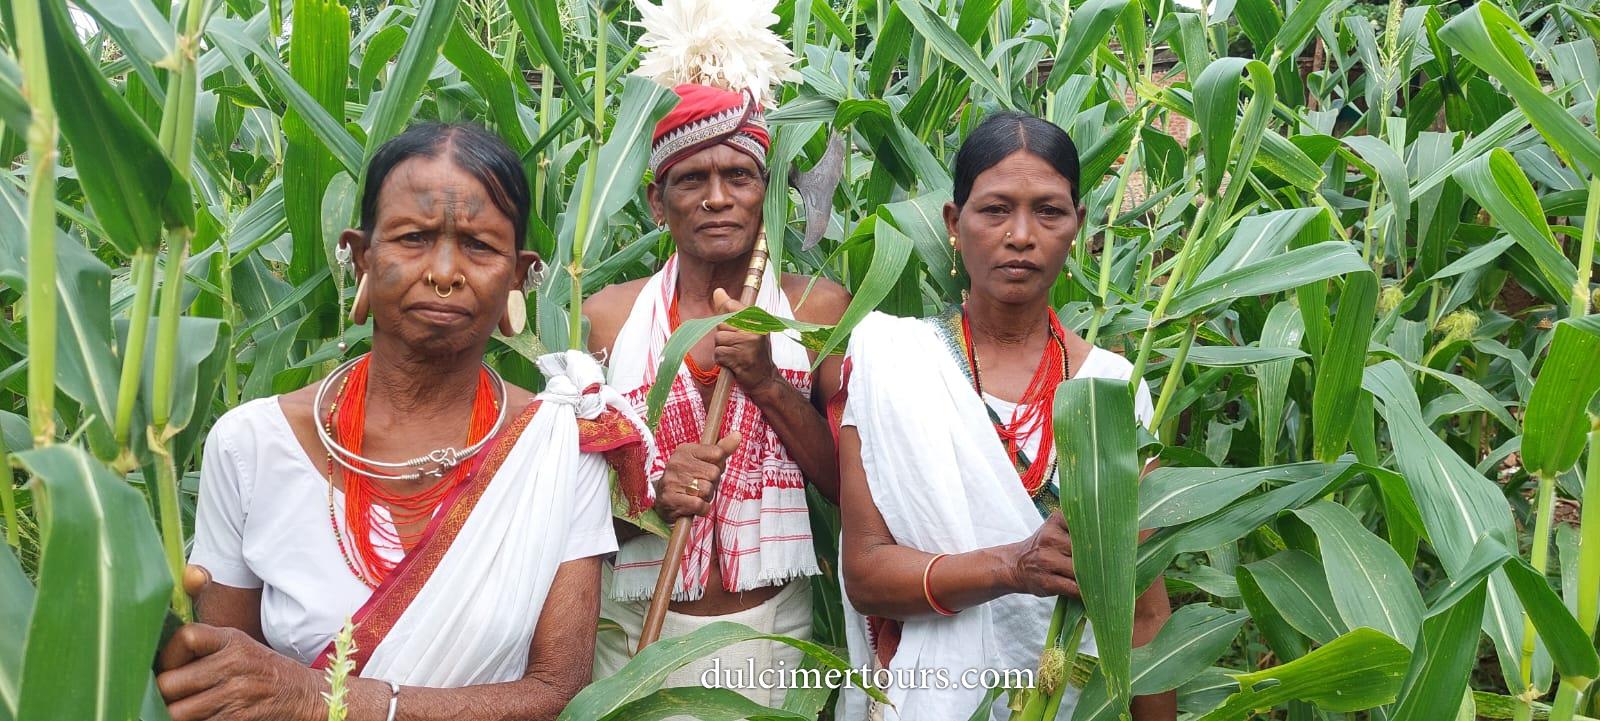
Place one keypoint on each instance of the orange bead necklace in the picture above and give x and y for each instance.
(701, 375)
(1037, 405)
(346, 421)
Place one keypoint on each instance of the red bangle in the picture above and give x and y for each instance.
(927, 590)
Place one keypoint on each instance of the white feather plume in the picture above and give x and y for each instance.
(727, 44)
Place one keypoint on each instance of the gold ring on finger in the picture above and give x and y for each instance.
(694, 486)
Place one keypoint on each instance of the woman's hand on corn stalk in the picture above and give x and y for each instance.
(210, 672)
(1041, 564)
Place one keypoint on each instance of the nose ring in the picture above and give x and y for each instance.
(705, 206)
(459, 281)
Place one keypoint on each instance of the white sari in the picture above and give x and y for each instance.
(463, 606)
(943, 484)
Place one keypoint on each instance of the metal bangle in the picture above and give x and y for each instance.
(394, 699)
(927, 590)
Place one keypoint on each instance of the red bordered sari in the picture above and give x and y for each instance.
(462, 607)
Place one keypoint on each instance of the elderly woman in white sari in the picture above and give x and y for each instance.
(459, 521)
(953, 547)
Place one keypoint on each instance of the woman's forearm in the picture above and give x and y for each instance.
(1159, 707)
(1151, 611)
(526, 699)
(958, 581)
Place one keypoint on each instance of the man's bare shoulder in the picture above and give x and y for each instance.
(815, 300)
(608, 309)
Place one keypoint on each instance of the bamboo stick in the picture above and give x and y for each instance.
(718, 409)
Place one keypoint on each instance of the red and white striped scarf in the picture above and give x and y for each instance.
(759, 514)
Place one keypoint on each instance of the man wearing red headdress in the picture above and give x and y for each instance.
(750, 549)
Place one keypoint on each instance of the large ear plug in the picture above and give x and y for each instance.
(516, 316)
(358, 308)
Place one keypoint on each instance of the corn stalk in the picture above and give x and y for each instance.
(41, 225)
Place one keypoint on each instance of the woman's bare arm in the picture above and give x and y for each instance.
(884, 578)
(560, 662)
(219, 605)
(224, 673)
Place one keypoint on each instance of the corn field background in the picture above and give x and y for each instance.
(1350, 244)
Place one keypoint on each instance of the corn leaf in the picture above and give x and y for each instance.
(16, 605)
(1174, 495)
(1495, 181)
(427, 35)
(1284, 328)
(1191, 641)
(1457, 504)
(133, 187)
(1234, 356)
(1099, 479)
(1287, 161)
(1389, 170)
(1085, 31)
(1284, 271)
(890, 251)
(1443, 658)
(1339, 367)
(1487, 37)
(1358, 670)
(706, 704)
(752, 319)
(140, 29)
(1557, 418)
(644, 674)
(318, 62)
(230, 37)
(618, 168)
(1216, 103)
(86, 368)
(1297, 587)
(103, 586)
(1371, 586)
(948, 44)
(491, 81)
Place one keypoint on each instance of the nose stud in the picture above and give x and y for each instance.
(705, 206)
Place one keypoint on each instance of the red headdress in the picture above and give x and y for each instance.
(721, 59)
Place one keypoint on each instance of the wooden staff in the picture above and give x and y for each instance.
(717, 409)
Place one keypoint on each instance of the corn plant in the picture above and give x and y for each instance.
(1349, 245)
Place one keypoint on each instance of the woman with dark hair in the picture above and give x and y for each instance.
(953, 547)
(457, 520)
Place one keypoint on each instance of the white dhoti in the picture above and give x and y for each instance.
(788, 614)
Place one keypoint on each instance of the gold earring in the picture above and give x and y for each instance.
(516, 317)
(358, 307)
(955, 256)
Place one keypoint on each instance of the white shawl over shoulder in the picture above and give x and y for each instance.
(943, 484)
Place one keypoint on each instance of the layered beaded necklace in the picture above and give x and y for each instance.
(344, 430)
(1036, 408)
(702, 376)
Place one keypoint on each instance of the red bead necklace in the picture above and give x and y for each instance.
(346, 420)
(1036, 408)
(702, 376)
